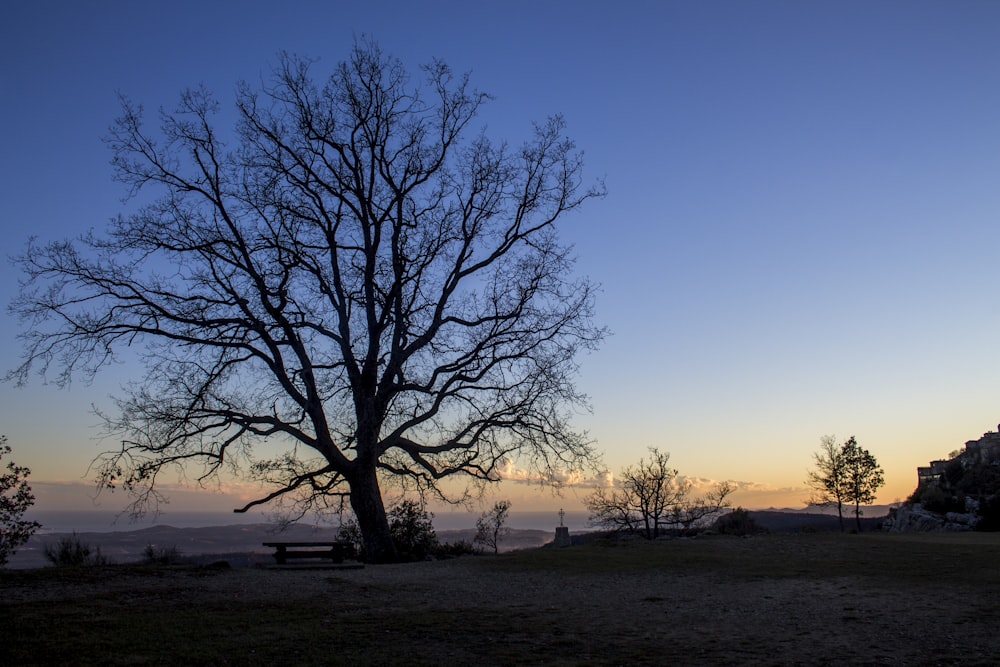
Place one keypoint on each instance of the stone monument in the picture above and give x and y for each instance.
(562, 532)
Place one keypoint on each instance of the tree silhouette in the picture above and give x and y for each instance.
(828, 480)
(848, 474)
(355, 276)
(491, 527)
(16, 498)
(863, 474)
(651, 499)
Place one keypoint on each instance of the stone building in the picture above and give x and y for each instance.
(986, 451)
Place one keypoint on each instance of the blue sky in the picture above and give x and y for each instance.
(799, 239)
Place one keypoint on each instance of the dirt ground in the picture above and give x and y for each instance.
(771, 600)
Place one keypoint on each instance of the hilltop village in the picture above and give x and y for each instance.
(958, 493)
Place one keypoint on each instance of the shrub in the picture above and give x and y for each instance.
(737, 522)
(935, 499)
(15, 499)
(412, 530)
(153, 555)
(455, 549)
(350, 532)
(989, 513)
(69, 551)
(954, 471)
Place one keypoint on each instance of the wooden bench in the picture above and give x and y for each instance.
(333, 551)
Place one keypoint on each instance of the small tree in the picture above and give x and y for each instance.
(738, 522)
(828, 480)
(844, 475)
(652, 498)
(491, 526)
(15, 499)
(862, 474)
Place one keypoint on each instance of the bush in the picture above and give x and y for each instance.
(152, 555)
(455, 549)
(989, 514)
(15, 499)
(69, 551)
(935, 499)
(737, 522)
(350, 532)
(412, 531)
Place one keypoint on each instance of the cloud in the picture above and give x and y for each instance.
(508, 471)
(746, 493)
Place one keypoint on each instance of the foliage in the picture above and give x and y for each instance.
(70, 551)
(738, 522)
(412, 530)
(15, 499)
(844, 475)
(863, 476)
(357, 275)
(455, 549)
(989, 513)
(350, 532)
(413, 533)
(651, 499)
(153, 555)
(964, 483)
(491, 527)
(934, 498)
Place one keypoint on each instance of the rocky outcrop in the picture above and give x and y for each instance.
(915, 518)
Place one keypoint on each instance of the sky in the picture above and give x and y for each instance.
(799, 238)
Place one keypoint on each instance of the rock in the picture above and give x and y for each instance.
(967, 520)
(916, 518)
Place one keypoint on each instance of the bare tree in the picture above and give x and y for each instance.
(355, 276)
(491, 527)
(828, 481)
(16, 498)
(651, 499)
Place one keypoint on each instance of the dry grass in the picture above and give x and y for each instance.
(782, 599)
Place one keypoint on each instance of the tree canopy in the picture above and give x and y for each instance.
(844, 475)
(355, 274)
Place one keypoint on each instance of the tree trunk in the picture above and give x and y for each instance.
(366, 501)
(840, 514)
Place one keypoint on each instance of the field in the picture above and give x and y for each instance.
(878, 599)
